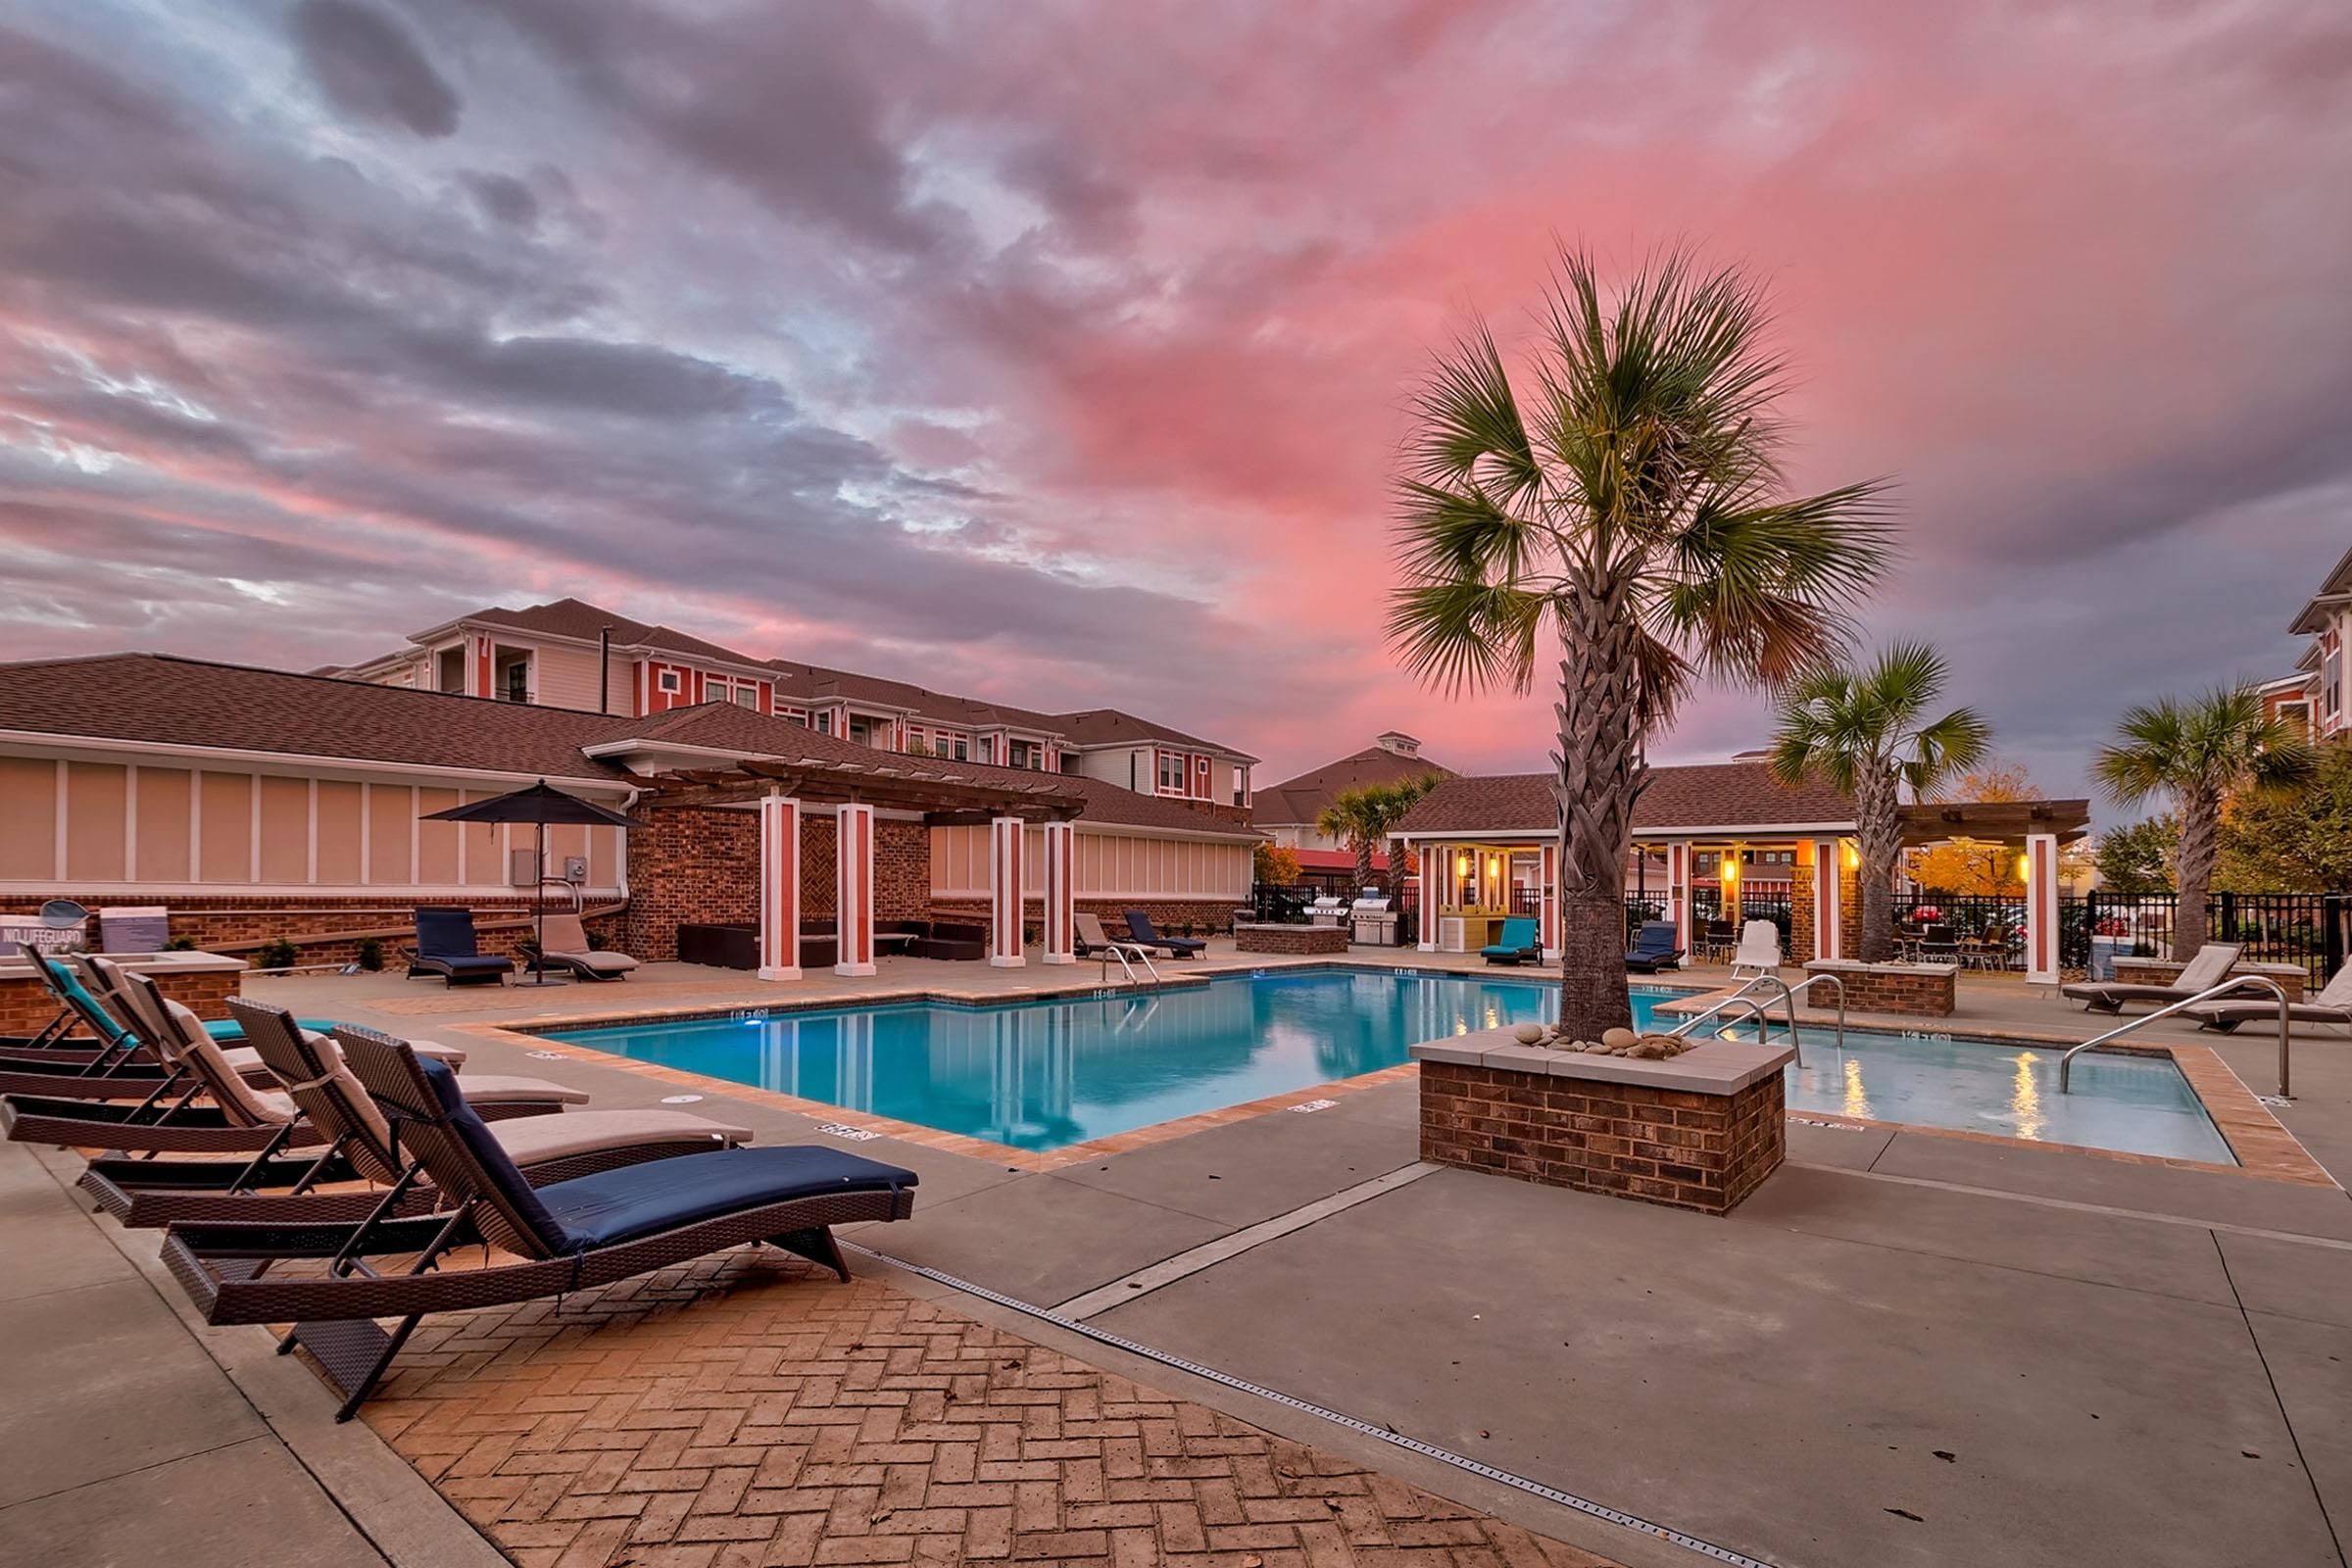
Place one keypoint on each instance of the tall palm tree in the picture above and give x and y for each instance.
(1353, 817)
(1867, 732)
(1629, 501)
(2198, 754)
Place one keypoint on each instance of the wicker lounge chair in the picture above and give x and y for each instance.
(1092, 939)
(314, 1075)
(570, 1235)
(568, 948)
(2207, 969)
(105, 1049)
(1515, 942)
(237, 1117)
(446, 946)
(2332, 1004)
(1653, 948)
(1138, 927)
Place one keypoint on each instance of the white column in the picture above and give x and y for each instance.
(2042, 909)
(1548, 927)
(1829, 898)
(1678, 891)
(1061, 904)
(853, 889)
(1006, 839)
(779, 888)
(1433, 878)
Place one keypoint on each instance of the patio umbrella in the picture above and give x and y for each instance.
(539, 805)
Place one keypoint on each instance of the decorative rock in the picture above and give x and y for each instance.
(1617, 1038)
(1649, 1050)
(1594, 1048)
(1530, 1034)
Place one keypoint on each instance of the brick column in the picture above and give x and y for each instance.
(2042, 909)
(854, 888)
(1062, 904)
(1007, 840)
(779, 888)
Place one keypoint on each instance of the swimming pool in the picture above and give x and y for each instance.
(1049, 1073)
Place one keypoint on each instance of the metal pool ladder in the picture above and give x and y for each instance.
(2066, 1064)
(1113, 951)
(1763, 1017)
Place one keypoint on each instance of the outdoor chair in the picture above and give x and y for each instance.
(566, 1237)
(321, 1083)
(1939, 946)
(1093, 940)
(1653, 948)
(566, 946)
(2212, 963)
(2333, 1004)
(236, 1118)
(1515, 944)
(446, 946)
(1759, 951)
(1138, 927)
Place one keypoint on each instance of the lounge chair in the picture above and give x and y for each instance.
(2207, 969)
(1759, 951)
(2332, 1004)
(446, 946)
(1092, 939)
(568, 948)
(1653, 948)
(239, 1117)
(1516, 943)
(330, 1096)
(1138, 927)
(570, 1235)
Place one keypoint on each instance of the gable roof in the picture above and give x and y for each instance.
(815, 683)
(582, 621)
(165, 701)
(1302, 798)
(2312, 618)
(1705, 796)
(1113, 727)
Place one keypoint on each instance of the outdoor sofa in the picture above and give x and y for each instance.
(953, 939)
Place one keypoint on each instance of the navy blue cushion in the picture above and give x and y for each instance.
(659, 1195)
(474, 965)
(446, 933)
(467, 1124)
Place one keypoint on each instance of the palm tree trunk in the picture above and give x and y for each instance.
(1363, 863)
(1597, 770)
(2200, 846)
(1878, 808)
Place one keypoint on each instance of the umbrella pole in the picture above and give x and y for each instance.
(539, 914)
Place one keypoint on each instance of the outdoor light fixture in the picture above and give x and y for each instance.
(1853, 858)
(1731, 869)
(1461, 862)
(2024, 867)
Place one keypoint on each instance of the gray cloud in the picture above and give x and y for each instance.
(368, 67)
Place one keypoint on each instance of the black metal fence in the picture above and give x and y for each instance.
(2311, 930)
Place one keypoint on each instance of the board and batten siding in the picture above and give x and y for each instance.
(1109, 866)
(92, 825)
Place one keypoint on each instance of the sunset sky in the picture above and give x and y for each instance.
(1059, 353)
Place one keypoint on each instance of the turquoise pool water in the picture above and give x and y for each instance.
(1044, 1074)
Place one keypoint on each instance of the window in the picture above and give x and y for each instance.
(2331, 683)
(668, 682)
(824, 721)
(962, 749)
(1171, 773)
(747, 695)
(517, 685)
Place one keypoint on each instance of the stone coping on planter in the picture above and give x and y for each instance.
(1710, 1067)
(1857, 966)
(160, 965)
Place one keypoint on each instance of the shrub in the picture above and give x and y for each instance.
(276, 953)
(181, 944)
(370, 954)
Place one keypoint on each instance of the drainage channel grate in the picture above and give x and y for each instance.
(1387, 1435)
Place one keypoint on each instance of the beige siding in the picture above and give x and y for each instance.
(338, 832)
(1109, 865)
(163, 812)
(28, 807)
(96, 793)
(485, 855)
(285, 830)
(391, 815)
(228, 852)
(566, 677)
(436, 841)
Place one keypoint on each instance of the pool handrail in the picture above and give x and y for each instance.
(2232, 983)
(1112, 950)
(1763, 1018)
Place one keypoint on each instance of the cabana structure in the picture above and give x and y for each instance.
(1705, 839)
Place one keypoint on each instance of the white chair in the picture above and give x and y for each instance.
(1759, 951)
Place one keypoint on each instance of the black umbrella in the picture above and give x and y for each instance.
(538, 806)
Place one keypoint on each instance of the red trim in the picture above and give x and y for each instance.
(481, 667)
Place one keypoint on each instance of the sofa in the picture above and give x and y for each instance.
(735, 944)
(940, 939)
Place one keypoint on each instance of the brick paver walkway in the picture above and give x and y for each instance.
(748, 1411)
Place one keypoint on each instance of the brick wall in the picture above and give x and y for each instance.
(25, 1005)
(902, 870)
(1687, 1150)
(1915, 990)
(326, 930)
(696, 865)
(1801, 916)
(1258, 938)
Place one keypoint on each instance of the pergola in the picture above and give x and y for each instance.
(783, 791)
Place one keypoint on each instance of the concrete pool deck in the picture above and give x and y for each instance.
(1906, 1349)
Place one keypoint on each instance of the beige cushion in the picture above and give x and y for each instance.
(601, 962)
(455, 1055)
(530, 1140)
(258, 1107)
(490, 1089)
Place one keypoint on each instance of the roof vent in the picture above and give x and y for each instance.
(1400, 742)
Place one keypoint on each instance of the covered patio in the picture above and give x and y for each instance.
(869, 828)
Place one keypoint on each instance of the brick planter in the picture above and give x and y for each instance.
(203, 981)
(1699, 1131)
(2165, 973)
(1917, 989)
(1251, 936)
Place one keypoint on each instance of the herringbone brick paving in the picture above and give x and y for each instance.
(747, 1412)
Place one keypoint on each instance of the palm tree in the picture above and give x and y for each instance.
(1633, 503)
(1353, 817)
(1866, 732)
(2199, 753)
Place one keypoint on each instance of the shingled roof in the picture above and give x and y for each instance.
(1302, 798)
(1702, 797)
(1112, 726)
(162, 700)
